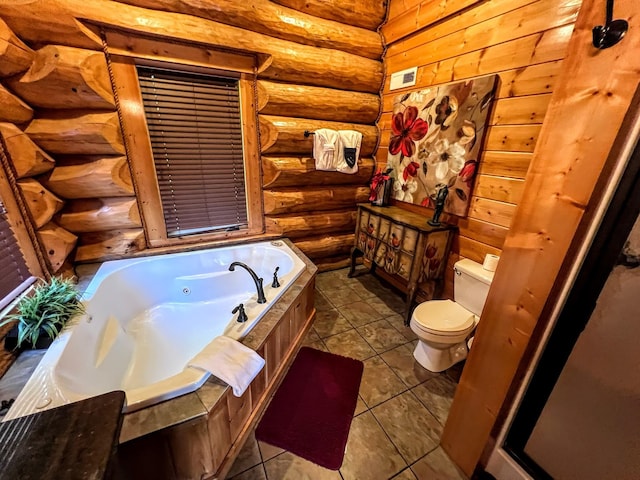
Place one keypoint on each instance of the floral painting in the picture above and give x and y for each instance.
(435, 142)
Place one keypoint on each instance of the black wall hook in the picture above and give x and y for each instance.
(609, 34)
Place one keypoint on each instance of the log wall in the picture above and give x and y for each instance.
(320, 68)
(524, 42)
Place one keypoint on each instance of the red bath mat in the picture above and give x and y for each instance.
(311, 412)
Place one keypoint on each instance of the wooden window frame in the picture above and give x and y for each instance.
(125, 54)
(18, 226)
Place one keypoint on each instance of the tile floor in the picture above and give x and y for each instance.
(401, 407)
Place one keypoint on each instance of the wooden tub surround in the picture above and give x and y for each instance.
(199, 435)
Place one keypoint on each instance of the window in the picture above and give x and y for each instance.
(14, 273)
(189, 120)
(196, 138)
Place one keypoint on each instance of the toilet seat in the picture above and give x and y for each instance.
(443, 318)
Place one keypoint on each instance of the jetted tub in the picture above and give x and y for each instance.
(147, 317)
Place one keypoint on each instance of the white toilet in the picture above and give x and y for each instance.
(443, 326)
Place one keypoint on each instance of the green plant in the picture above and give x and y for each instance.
(46, 309)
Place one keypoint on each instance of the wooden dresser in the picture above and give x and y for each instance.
(411, 252)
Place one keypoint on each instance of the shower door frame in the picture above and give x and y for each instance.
(601, 257)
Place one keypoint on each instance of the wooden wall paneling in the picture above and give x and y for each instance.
(361, 13)
(473, 249)
(485, 232)
(531, 80)
(15, 55)
(321, 198)
(219, 434)
(527, 80)
(491, 211)
(91, 177)
(146, 457)
(420, 16)
(57, 243)
(100, 214)
(499, 188)
(280, 135)
(591, 98)
(528, 20)
(66, 77)
(26, 157)
(467, 17)
(259, 384)
(190, 448)
(239, 411)
(78, 132)
(542, 47)
(280, 172)
(41, 203)
(504, 163)
(108, 245)
(290, 61)
(519, 110)
(513, 138)
(266, 17)
(13, 110)
(301, 225)
(319, 103)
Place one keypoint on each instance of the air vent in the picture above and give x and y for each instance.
(403, 78)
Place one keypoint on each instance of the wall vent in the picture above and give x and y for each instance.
(403, 78)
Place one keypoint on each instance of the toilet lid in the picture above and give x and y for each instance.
(443, 316)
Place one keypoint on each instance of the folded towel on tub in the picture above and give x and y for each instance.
(230, 361)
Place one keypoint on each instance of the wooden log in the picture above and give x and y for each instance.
(305, 198)
(286, 135)
(42, 204)
(100, 214)
(27, 158)
(295, 171)
(326, 245)
(266, 17)
(15, 56)
(78, 132)
(66, 77)
(318, 103)
(13, 110)
(91, 177)
(332, 263)
(362, 13)
(57, 243)
(290, 61)
(99, 246)
(305, 224)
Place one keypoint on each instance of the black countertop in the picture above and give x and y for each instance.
(74, 441)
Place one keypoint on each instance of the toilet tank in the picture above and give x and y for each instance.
(471, 285)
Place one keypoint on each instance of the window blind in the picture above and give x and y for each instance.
(14, 274)
(196, 139)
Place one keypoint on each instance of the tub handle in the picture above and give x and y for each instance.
(242, 316)
(275, 283)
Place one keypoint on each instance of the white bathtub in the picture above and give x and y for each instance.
(147, 317)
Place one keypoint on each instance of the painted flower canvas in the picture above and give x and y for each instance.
(436, 136)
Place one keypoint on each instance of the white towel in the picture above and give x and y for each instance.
(230, 361)
(325, 144)
(348, 151)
